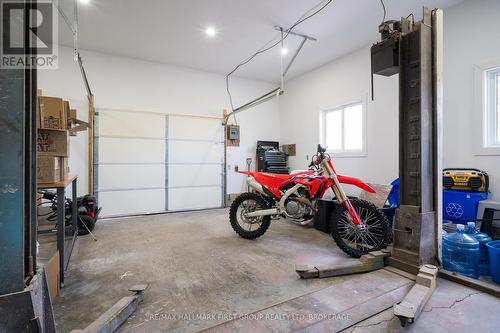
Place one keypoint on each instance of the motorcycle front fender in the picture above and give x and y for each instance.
(356, 182)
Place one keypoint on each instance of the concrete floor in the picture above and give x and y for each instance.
(201, 274)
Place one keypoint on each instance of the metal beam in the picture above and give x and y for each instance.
(287, 31)
(273, 93)
(437, 40)
(12, 130)
(85, 79)
(294, 56)
(112, 319)
(17, 134)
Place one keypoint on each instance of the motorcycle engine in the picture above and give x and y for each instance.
(298, 209)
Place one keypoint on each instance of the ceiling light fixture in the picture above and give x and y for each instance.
(210, 31)
(84, 2)
(284, 51)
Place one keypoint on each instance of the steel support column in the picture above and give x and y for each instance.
(17, 187)
(417, 222)
(12, 181)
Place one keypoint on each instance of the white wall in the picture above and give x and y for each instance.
(344, 81)
(131, 84)
(471, 32)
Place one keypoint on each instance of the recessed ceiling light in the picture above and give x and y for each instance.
(284, 51)
(84, 2)
(210, 31)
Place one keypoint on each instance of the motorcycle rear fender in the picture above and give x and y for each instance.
(266, 189)
(356, 182)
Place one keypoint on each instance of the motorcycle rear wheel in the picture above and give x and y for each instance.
(372, 234)
(248, 227)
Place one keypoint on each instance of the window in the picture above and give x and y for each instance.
(342, 129)
(491, 104)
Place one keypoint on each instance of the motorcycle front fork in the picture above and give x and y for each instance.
(344, 200)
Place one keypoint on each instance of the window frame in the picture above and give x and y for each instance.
(492, 78)
(322, 125)
(486, 100)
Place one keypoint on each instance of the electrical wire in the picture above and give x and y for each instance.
(266, 48)
(412, 17)
(383, 6)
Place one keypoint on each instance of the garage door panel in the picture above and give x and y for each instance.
(119, 203)
(126, 150)
(134, 169)
(131, 124)
(184, 152)
(190, 198)
(188, 128)
(194, 175)
(113, 177)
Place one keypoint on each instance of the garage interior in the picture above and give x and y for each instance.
(250, 166)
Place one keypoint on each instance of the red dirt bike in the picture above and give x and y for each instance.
(357, 226)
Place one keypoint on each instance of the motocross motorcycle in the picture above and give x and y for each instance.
(357, 226)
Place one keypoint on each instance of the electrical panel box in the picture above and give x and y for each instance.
(233, 135)
(233, 132)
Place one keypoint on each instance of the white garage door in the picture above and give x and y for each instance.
(152, 162)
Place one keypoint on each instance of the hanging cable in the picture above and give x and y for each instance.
(383, 6)
(282, 59)
(266, 48)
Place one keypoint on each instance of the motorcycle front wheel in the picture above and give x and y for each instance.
(356, 240)
(248, 227)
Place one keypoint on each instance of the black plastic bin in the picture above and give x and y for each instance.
(322, 218)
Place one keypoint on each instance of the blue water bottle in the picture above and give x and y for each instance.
(461, 253)
(482, 238)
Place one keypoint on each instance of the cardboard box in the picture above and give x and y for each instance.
(63, 162)
(71, 117)
(52, 273)
(290, 150)
(48, 169)
(52, 113)
(51, 169)
(52, 143)
(66, 112)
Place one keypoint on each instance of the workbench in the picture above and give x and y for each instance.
(60, 187)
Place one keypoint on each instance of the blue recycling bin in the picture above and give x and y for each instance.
(461, 206)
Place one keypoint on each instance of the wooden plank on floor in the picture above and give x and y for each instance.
(333, 308)
(400, 272)
(487, 287)
(360, 312)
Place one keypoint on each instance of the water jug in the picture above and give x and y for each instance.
(482, 238)
(461, 253)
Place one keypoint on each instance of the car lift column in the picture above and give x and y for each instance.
(417, 224)
(18, 176)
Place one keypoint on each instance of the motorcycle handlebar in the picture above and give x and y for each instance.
(319, 157)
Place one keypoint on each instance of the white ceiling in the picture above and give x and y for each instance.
(172, 31)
